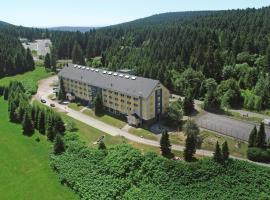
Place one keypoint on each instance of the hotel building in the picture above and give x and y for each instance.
(139, 99)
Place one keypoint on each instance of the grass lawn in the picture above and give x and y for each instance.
(75, 106)
(112, 120)
(91, 135)
(25, 171)
(209, 142)
(106, 119)
(141, 132)
(28, 79)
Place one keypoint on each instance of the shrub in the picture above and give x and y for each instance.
(258, 155)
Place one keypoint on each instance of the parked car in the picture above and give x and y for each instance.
(266, 122)
(43, 101)
(64, 102)
(52, 105)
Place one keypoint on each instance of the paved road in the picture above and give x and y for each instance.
(44, 90)
(228, 126)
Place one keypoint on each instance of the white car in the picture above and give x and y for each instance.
(266, 122)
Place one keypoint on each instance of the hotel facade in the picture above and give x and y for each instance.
(140, 100)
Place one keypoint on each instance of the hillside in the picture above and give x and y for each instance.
(25, 171)
(122, 172)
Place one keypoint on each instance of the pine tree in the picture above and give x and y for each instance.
(50, 129)
(261, 137)
(165, 145)
(61, 93)
(188, 104)
(252, 137)
(225, 151)
(190, 148)
(41, 122)
(5, 93)
(53, 59)
(29, 60)
(268, 57)
(12, 113)
(98, 105)
(77, 54)
(59, 124)
(47, 61)
(217, 153)
(59, 145)
(27, 124)
(101, 145)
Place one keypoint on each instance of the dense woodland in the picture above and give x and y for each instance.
(14, 58)
(221, 54)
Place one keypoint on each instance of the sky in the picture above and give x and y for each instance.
(50, 13)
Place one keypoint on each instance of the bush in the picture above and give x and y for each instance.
(258, 155)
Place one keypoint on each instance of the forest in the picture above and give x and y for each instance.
(223, 55)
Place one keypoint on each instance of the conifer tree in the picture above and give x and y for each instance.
(261, 137)
(50, 129)
(47, 61)
(225, 151)
(77, 54)
(190, 148)
(252, 137)
(101, 145)
(41, 122)
(188, 104)
(59, 124)
(27, 124)
(29, 60)
(98, 105)
(53, 59)
(59, 145)
(217, 153)
(165, 145)
(5, 93)
(61, 92)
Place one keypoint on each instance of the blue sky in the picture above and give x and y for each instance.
(47, 13)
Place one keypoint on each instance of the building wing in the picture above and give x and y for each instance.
(123, 83)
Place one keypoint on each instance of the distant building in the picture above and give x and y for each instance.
(41, 46)
(140, 100)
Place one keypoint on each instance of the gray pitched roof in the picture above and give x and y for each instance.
(133, 86)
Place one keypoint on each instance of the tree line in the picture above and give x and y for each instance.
(32, 116)
(14, 58)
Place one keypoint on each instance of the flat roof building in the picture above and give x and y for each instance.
(122, 94)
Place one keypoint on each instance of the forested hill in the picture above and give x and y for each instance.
(183, 50)
(14, 58)
(190, 52)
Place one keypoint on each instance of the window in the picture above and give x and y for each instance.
(136, 105)
(128, 102)
(116, 93)
(122, 100)
(135, 99)
(128, 97)
(122, 95)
